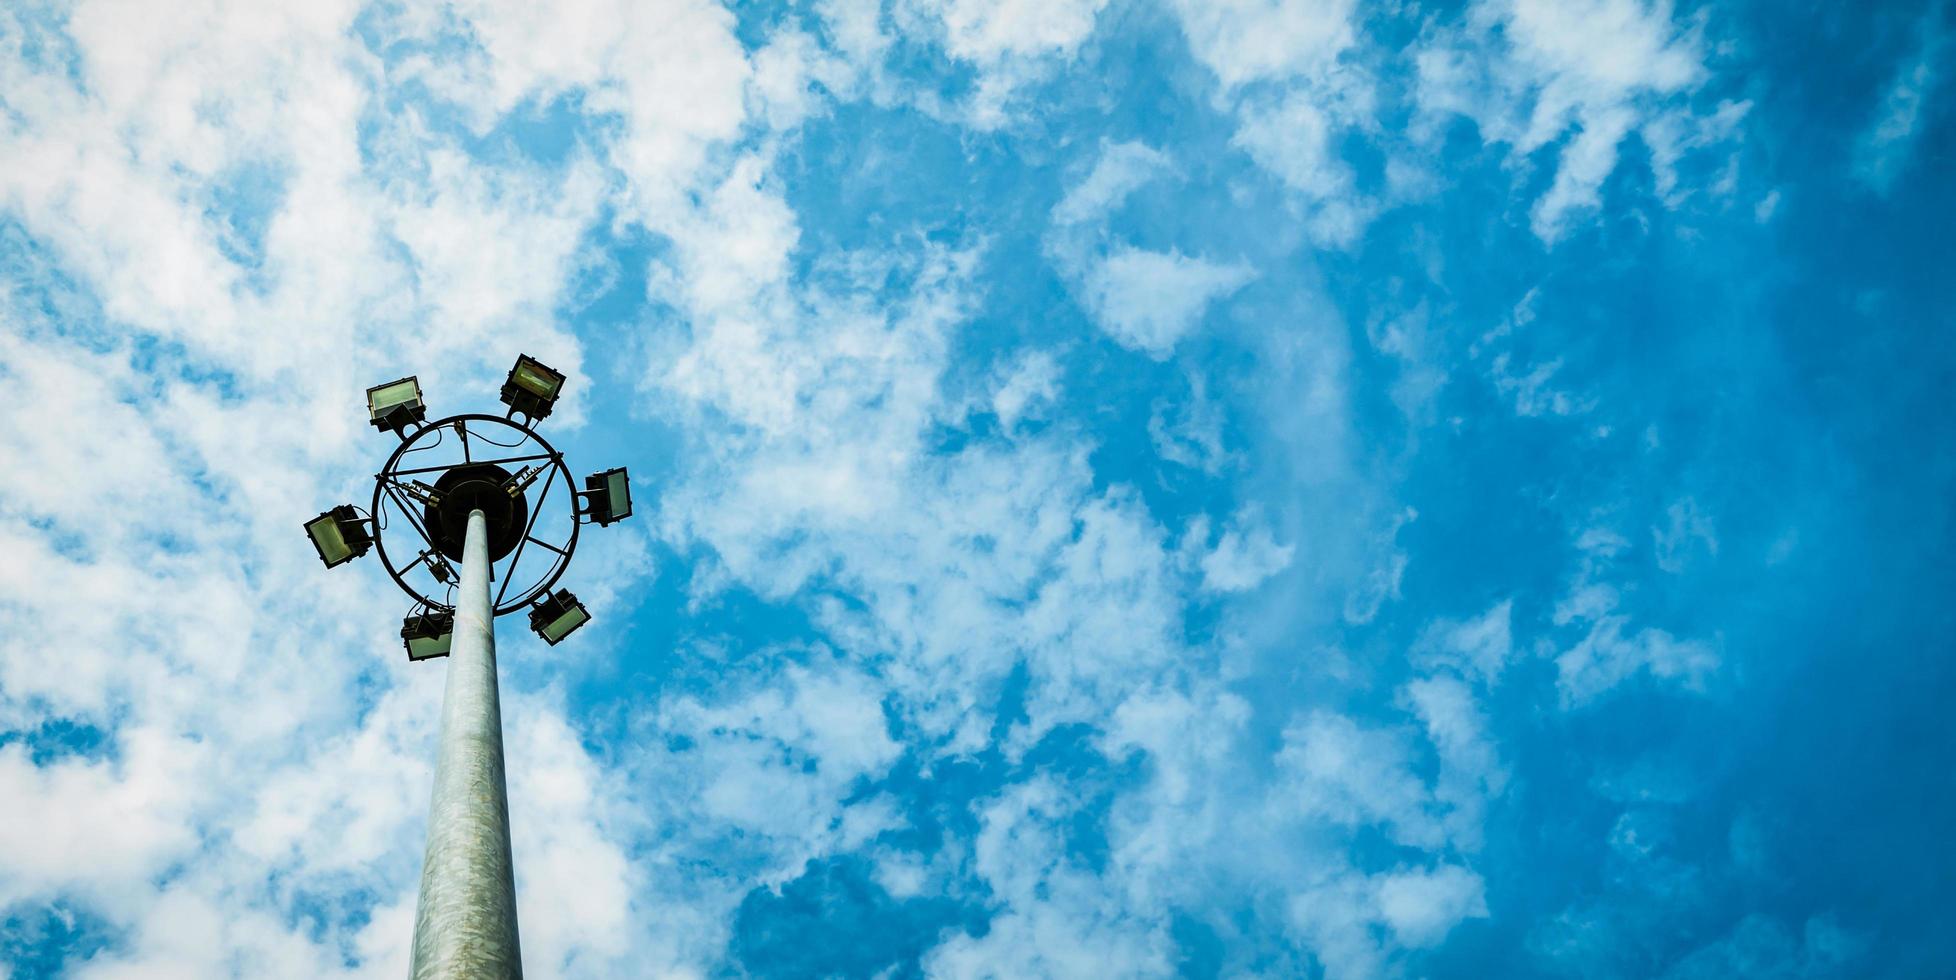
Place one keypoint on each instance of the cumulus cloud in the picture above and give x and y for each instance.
(1245, 41)
(1357, 776)
(1149, 300)
(1282, 71)
(1246, 555)
(1471, 772)
(1293, 139)
(1062, 921)
(1421, 907)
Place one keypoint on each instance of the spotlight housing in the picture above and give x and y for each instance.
(339, 535)
(608, 496)
(428, 635)
(396, 405)
(532, 387)
(557, 616)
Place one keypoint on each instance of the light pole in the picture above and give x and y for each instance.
(451, 482)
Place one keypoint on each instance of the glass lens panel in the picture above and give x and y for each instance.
(423, 647)
(536, 380)
(620, 491)
(387, 396)
(562, 625)
(326, 537)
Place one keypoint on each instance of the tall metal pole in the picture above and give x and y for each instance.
(465, 920)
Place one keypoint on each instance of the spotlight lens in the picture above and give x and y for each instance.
(556, 616)
(537, 379)
(429, 647)
(619, 490)
(326, 536)
(428, 636)
(406, 391)
(563, 625)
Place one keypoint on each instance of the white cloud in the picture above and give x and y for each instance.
(1122, 169)
(1586, 161)
(1470, 769)
(1767, 207)
(1381, 584)
(1189, 431)
(576, 883)
(1421, 907)
(1532, 385)
(674, 73)
(1339, 916)
(1031, 387)
(1532, 72)
(1294, 140)
(1246, 555)
(75, 824)
(1479, 648)
(1357, 776)
(1146, 300)
(989, 31)
(1411, 338)
(1149, 301)
(1245, 41)
(1611, 650)
(1605, 657)
(1282, 70)
(1061, 920)
(1011, 43)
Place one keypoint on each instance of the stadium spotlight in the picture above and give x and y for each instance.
(394, 406)
(608, 496)
(557, 616)
(532, 387)
(339, 535)
(428, 635)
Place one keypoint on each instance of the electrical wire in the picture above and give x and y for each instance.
(506, 445)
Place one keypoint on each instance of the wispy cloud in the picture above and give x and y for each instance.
(1887, 146)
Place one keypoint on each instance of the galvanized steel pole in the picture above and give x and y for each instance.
(465, 920)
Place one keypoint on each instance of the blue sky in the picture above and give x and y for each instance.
(1125, 489)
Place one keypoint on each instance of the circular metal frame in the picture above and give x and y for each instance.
(390, 488)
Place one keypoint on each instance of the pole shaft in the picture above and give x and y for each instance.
(465, 920)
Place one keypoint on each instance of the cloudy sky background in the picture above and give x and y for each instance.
(1288, 488)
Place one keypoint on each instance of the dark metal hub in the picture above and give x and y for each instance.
(476, 486)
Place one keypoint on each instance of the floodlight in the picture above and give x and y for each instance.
(532, 387)
(428, 635)
(394, 406)
(608, 496)
(556, 616)
(339, 535)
